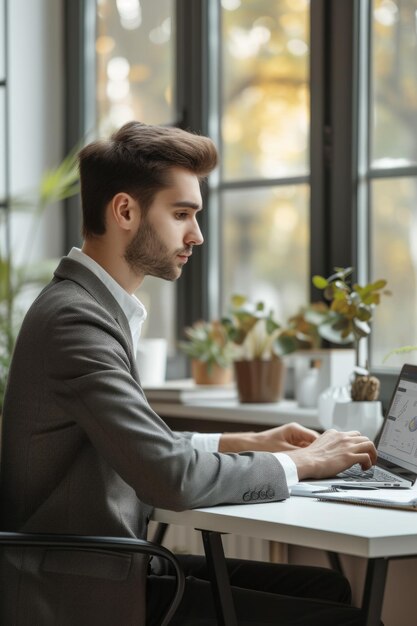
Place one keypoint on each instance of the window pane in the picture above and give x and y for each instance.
(394, 257)
(2, 143)
(394, 92)
(265, 90)
(135, 57)
(2, 42)
(265, 247)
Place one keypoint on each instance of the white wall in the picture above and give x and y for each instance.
(35, 90)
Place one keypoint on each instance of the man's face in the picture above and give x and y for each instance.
(167, 234)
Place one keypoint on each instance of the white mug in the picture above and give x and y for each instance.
(151, 359)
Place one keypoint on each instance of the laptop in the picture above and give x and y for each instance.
(396, 465)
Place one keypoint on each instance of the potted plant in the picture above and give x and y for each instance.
(56, 184)
(349, 322)
(260, 344)
(211, 352)
(315, 368)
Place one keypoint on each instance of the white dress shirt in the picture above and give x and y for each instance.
(136, 314)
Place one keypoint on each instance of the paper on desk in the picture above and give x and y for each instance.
(306, 489)
(391, 498)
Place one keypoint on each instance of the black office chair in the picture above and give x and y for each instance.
(114, 544)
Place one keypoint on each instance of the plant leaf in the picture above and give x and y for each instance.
(334, 336)
(361, 329)
(320, 282)
(401, 350)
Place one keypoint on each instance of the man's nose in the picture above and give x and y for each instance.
(194, 236)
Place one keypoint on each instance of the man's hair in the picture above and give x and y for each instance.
(137, 159)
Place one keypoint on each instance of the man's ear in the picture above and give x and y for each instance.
(125, 211)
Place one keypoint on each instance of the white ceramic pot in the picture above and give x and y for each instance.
(363, 416)
(327, 401)
(151, 359)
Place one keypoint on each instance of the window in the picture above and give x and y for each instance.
(3, 106)
(263, 129)
(391, 174)
(4, 161)
(134, 60)
(305, 183)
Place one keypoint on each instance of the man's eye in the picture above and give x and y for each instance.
(181, 216)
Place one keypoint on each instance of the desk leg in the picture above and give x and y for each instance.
(219, 578)
(160, 533)
(335, 563)
(373, 595)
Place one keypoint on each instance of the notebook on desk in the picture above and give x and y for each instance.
(382, 498)
(405, 499)
(396, 465)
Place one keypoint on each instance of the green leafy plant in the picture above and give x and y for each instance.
(208, 342)
(56, 184)
(349, 321)
(255, 332)
(302, 330)
(351, 307)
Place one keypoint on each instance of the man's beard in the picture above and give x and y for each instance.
(147, 254)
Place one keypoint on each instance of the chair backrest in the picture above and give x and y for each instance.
(115, 544)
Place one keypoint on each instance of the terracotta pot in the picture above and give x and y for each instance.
(215, 375)
(260, 381)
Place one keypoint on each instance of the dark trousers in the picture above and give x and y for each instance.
(263, 593)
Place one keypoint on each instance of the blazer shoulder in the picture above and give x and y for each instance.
(76, 293)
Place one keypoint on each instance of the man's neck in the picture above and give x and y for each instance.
(113, 263)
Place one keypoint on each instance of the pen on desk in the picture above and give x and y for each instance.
(341, 488)
(358, 487)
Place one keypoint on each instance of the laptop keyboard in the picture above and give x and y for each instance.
(357, 473)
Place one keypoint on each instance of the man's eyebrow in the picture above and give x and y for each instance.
(186, 204)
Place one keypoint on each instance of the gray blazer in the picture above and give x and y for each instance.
(84, 453)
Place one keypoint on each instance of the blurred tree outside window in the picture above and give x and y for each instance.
(135, 62)
(266, 245)
(393, 83)
(265, 89)
(394, 256)
(392, 174)
(264, 141)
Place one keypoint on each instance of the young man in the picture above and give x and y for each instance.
(83, 452)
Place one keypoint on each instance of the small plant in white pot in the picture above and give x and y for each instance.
(349, 322)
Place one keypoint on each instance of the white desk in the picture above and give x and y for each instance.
(376, 534)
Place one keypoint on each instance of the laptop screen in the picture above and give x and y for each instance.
(398, 440)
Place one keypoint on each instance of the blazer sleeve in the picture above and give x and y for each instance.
(90, 376)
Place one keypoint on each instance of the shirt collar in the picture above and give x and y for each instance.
(131, 306)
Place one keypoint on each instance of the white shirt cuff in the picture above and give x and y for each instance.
(209, 442)
(206, 442)
(289, 468)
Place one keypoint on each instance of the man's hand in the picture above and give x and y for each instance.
(284, 438)
(280, 439)
(316, 456)
(333, 452)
